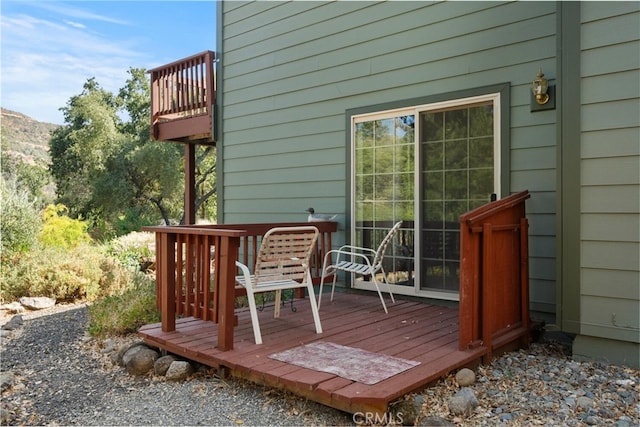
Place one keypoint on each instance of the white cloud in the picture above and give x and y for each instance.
(44, 62)
(78, 13)
(75, 24)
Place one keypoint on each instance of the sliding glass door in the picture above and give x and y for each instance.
(426, 166)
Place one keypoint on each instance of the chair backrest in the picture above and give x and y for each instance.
(377, 260)
(285, 253)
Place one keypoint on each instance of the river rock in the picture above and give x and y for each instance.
(584, 402)
(463, 402)
(179, 370)
(465, 377)
(14, 307)
(140, 359)
(6, 380)
(161, 366)
(16, 322)
(408, 410)
(118, 356)
(37, 303)
(433, 421)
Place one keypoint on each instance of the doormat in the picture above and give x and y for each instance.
(347, 362)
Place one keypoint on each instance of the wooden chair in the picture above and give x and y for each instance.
(281, 263)
(354, 259)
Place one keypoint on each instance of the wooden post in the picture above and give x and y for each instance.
(226, 311)
(189, 184)
(168, 286)
(524, 278)
(487, 291)
(159, 271)
(206, 293)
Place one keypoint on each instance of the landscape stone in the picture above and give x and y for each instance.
(584, 402)
(109, 345)
(623, 422)
(506, 417)
(5, 416)
(140, 360)
(591, 420)
(161, 366)
(465, 377)
(463, 402)
(179, 370)
(408, 410)
(16, 322)
(118, 356)
(432, 421)
(6, 380)
(14, 307)
(37, 303)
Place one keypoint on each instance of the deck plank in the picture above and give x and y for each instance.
(411, 330)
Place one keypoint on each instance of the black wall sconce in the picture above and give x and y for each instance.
(543, 94)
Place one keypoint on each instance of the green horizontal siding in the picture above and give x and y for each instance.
(610, 171)
(621, 142)
(611, 318)
(292, 69)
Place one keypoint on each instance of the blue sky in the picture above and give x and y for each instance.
(50, 48)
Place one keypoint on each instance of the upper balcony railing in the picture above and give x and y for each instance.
(183, 99)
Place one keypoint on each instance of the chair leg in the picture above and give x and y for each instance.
(375, 282)
(320, 290)
(384, 276)
(314, 307)
(254, 317)
(278, 300)
(333, 285)
(324, 274)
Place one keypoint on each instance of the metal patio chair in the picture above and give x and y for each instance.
(281, 263)
(354, 259)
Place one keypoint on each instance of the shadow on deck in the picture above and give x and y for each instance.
(412, 330)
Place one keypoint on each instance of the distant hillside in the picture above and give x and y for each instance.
(25, 137)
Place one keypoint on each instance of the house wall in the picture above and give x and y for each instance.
(289, 71)
(610, 181)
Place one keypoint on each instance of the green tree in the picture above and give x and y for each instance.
(147, 172)
(110, 170)
(80, 149)
(206, 181)
(156, 169)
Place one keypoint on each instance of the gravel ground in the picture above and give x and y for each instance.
(63, 378)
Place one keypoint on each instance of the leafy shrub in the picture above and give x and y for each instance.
(60, 230)
(20, 220)
(127, 312)
(83, 273)
(134, 250)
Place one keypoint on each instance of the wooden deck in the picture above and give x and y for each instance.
(412, 330)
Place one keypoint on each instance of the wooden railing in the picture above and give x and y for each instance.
(195, 270)
(183, 98)
(494, 275)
